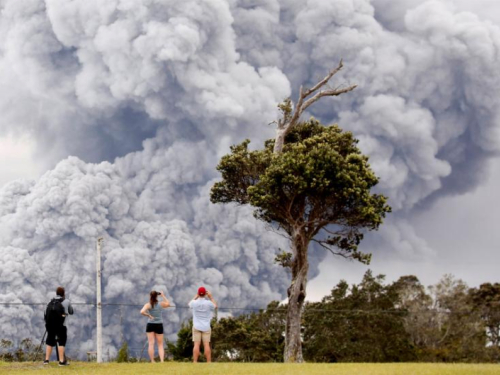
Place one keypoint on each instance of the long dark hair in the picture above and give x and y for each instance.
(153, 298)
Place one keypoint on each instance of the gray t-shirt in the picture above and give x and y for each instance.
(203, 312)
(156, 314)
(68, 309)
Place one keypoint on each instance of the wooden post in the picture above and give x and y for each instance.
(99, 305)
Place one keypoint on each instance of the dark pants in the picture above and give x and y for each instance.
(56, 334)
(155, 327)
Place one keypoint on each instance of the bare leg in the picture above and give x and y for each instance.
(48, 352)
(62, 358)
(161, 350)
(196, 351)
(151, 345)
(208, 351)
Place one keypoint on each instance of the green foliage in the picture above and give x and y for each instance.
(123, 353)
(360, 323)
(255, 337)
(6, 347)
(320, 181)
(25, 350)
(286, 109)
(182, 350)
(443, 324)
(485, 300)
(369, 322)
(284, 259)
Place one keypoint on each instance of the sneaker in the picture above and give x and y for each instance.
(46, 362)
(65, 363)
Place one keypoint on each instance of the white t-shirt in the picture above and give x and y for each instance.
(203, 312)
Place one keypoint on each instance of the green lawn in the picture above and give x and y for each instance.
(171, 368)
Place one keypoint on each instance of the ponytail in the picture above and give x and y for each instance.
(153, 298)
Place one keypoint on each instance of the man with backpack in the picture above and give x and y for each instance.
(55, 322)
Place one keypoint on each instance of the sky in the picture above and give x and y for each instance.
(114, 117)
(17, 160)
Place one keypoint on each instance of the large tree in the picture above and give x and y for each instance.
(311, 183)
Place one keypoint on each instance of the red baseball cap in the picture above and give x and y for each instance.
(202, 291)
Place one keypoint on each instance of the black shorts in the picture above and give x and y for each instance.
(155, 327)
(59, 334)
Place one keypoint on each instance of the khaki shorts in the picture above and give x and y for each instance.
(201, 336)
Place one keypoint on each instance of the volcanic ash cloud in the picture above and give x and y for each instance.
(147, 96)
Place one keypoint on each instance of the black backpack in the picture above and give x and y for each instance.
(55, 314)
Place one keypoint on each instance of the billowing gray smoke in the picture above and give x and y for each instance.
(154, 91)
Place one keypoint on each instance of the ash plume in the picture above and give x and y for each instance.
(133, 103)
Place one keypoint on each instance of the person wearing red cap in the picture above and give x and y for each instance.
(203, 306)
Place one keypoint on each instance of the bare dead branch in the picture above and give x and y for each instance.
(325, 80)
(320, 94)
(291, 117)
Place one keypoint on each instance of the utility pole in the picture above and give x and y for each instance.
(99, 305)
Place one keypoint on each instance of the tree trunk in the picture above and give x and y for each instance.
(279, 140)
(296, 297)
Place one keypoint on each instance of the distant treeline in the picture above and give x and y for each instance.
(370, 322)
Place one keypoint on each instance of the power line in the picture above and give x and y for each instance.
(248, 309)
(357, 311)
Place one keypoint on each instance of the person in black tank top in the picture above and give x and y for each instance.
(154, 327)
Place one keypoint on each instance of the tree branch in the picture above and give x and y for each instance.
(345, 256)
(325, 80)
(290, 118)
(320, 94)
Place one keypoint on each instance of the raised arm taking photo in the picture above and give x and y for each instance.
(165, 303)
(211, 298)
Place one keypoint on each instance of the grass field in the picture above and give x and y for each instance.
(174, 368)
